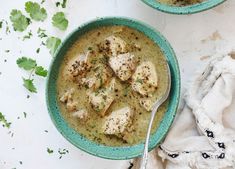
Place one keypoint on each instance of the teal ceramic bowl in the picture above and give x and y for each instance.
(199, 7)
(115, 153)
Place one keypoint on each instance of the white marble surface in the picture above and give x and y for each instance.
(29, 142)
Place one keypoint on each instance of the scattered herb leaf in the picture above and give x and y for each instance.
(19, 21)
(139, 81)
(28, 84)
(7, 51)
(38, 50)
(42, 1)
(41, 33)
(28, 36)
(4, 121)
(63, 5)
(50, 151)
(26, 63)
(1, 24)
(40, 71)
(59, 21)
(35, 11)
(25, 114)
(62, 152)
(52, 43)
(57, 4)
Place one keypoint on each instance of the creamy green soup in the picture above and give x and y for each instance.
(139, 46)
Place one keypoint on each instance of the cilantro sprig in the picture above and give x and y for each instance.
(35, 11)
(19, 21)
(29, 64)
(59, 20)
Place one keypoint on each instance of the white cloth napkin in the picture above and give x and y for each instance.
(203, 134)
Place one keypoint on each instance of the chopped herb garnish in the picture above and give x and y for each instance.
(41, 33)
(52, 43)
(19, 21)
(1, 24)
(20, 162)
(62, 152)
(89, 48)
(28, 36)
(57, 4)
(4, 121)
(63, 5)
(50, 151)
(25, 114)
(38, 50)
(35, 11)
(59, 21)
(7, 51)
(42, 1)
(139, 81)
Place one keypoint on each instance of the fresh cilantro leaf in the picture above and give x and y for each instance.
(7, 51)
(0, 24)
(4, 121)
(40, 71)
(28, 84)
(26, 63)
(63, 5)
(59, 21)
(52, 43)
(50, 151)
(19, 21)
(35, 11)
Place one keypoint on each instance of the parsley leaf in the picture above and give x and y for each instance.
(28, 84)
(26, 63)
(19, 21)
(40, 71)
(52, 43)
(59, 21)
(35, 11)
(4, 121)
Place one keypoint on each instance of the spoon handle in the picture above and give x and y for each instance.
(146, 145)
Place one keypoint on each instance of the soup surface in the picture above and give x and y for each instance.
(180, 2)
(108, 82)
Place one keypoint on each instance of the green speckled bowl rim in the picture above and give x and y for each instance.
(199, 7)
(115, 153)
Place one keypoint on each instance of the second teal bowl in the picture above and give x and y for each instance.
(199, 7)
(115, 153)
